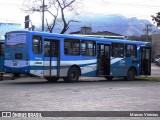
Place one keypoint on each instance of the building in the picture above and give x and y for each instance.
(83, 30)
(107, 33)
(6, 27)
(155, 45)
(88, 31)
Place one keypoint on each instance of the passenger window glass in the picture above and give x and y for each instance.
(54, 48)
(118, 50)
(72, 47)
(46, 48)
(130, 51)
(37, 44)
(88, 48)
(50, 48)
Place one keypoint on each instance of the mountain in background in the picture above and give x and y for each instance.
(114, 23)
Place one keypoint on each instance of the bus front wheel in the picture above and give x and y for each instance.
(130, 74)
(72, 75)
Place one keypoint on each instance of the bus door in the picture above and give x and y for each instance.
(145, 60)
(51, 57)
(103, 62)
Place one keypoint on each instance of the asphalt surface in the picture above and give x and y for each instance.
(89, 94)
(155, 70)
(37, 94)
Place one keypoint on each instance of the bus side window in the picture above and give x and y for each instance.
(118, 50)
(54, 49)
(37, 44)
(130, 50)
(47, 48)
(88, 48)
(83, 48)
(72, 47)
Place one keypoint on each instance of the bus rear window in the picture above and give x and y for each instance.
(16, 40)
(37, 44)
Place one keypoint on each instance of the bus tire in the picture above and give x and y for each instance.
(51, 79)
(72, 75)
(109, 78)
(130, 74)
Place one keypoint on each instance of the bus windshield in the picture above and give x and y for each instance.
(16, 40)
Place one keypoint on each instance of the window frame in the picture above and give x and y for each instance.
(131, 51)
(88, 50)
(39, 51)
(52, 49)
(119, 51)
(71, 49)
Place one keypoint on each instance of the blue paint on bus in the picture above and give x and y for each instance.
(1, 55)
(54, 55)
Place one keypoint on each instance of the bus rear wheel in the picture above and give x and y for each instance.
(51, 79)
(72, 75)
(130, 74)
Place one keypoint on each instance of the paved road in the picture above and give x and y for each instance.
(90, 94)
(35, 94)
(155, 70)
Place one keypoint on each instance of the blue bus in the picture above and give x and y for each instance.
(55, 56)
(1, 55)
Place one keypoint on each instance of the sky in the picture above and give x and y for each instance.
(10, 10)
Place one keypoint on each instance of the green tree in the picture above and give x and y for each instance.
(156, 19)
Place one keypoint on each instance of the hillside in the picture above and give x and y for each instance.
(113, 23)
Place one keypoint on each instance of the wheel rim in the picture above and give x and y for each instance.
(73, 75)
(131, 74)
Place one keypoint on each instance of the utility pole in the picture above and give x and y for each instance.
(43, 15)
(148, 29)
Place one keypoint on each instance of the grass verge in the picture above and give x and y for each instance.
(157, 79)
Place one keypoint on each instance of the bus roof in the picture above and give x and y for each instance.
(103, 36)
(83, 37)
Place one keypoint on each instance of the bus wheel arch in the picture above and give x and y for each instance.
(131, 73)
(73, 74)
(136, 73)
(77, 68)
